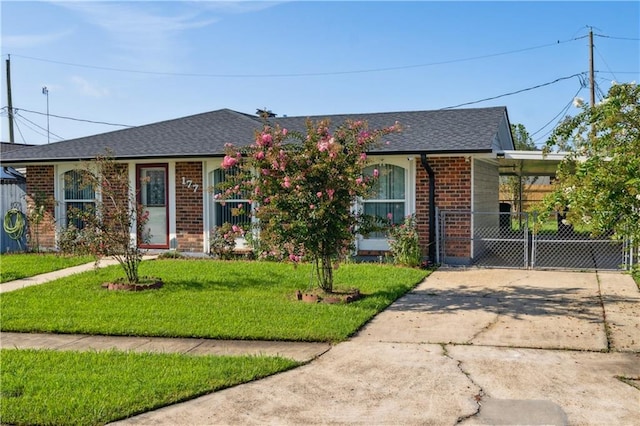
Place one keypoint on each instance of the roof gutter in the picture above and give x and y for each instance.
(432, 205)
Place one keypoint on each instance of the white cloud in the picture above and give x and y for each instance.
(32, 40)
(151, 34)
(142, 28)
(88, 89)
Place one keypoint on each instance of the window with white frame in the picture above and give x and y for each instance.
(77, 197)
(235, 210)
(388, 198)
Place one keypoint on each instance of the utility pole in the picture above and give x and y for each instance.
(45, 92)
(9, 102)
(592, 82)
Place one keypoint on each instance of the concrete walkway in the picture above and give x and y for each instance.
(467, 346)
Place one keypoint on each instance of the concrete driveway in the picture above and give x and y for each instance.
(467, 346)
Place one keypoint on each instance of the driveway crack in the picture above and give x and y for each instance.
(477, 397)
(485, 328)
(607, 328)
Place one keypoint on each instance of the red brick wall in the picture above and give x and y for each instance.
(40, 191)
(189, 207)
(453, 192)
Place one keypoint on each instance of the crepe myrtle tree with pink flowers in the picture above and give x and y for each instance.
(303, 187)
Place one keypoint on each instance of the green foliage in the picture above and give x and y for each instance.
(222, 241)
(599, 182)
(171, 254)
(46, 387)
(207, 298)
(20, 265)
(304, 186)
(404, 243)
(106, 228)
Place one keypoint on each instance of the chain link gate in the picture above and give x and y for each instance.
(523, 240)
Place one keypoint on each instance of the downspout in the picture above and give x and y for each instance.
(432, 206)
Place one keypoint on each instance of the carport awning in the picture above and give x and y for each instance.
(529, 163)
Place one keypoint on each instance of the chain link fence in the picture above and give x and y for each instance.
(526, 240)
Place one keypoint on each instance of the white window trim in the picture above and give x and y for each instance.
(408, 163)
(61, 204)
(210, 215)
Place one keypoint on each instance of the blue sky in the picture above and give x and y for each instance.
(139, 62)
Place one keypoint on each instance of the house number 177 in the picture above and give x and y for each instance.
(189, 184)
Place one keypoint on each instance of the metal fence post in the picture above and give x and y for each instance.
(437, 222)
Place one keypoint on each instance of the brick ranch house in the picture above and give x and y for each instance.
(443, 158)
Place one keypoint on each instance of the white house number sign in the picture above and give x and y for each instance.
(189, 184)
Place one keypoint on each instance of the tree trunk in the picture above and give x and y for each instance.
(324, 273)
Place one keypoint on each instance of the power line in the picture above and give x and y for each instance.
(20, 131)
(556, 118)
(617, 38)
(312, 74)
(37, 125)
(579, 75)
(74, 119)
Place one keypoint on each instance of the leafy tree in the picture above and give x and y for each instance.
(517, 186)
(599, 181)
(303, 187)
(106, 229)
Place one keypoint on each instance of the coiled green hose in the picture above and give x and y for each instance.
(14, 224)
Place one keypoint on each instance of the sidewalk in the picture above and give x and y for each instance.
(298, 351)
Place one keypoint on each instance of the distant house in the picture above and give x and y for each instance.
(444, 158)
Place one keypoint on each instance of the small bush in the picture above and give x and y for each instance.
(223, 240)
(404, 243)
(171, 254)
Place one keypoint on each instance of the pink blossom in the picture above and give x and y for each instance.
(376, 173)
(363, 156)
(228, 162)
(260, 155)
(266, 139)
(294, 258)
(358, 181)
(287, 182)
(235, 228)
(312, 206)
(284, 132)
(390, 216)
(319, 194)
(330, 193)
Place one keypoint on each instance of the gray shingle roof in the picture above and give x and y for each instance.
(204, 135)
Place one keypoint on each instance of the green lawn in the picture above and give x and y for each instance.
(207, 298)
(88, 388)
(17, 266)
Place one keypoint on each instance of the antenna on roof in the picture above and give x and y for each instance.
(265, 113)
